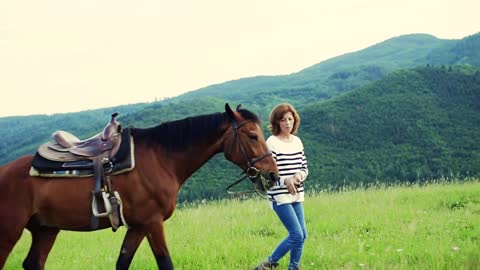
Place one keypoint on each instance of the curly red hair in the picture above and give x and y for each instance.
(277, 114)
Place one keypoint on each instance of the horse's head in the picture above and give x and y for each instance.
(245, 145)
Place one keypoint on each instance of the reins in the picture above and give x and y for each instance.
(263, 181)
(251, 172)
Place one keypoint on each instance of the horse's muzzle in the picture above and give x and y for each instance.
(273, 178)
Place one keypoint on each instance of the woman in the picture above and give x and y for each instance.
(287, 195)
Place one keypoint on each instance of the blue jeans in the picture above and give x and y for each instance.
(293, 219)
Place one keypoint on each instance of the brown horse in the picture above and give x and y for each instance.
(165, 156)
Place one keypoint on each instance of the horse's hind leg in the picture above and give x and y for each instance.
(43, 239)
(131, 241)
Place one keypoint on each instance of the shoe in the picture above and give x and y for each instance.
(266, 266)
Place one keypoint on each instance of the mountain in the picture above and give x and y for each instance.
(464, 51)
(344, 73)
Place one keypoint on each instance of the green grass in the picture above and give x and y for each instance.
(436, 226)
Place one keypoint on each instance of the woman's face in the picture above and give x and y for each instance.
(286, 123)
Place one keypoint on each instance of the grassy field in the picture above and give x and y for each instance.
(435, 226)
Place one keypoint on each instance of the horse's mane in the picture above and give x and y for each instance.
(178, 135)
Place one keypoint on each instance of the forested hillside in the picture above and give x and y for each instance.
(402, 110)
(416, 124)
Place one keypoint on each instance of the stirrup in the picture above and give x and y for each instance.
(106, 202)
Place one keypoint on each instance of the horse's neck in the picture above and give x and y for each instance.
(181, 156)
(189, 161)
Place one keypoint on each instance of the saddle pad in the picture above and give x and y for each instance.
(123, 161)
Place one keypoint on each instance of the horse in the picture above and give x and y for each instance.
(165, 155)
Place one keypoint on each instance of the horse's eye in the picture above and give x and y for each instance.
(253, 137)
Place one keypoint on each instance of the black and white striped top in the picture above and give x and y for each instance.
(290, 158)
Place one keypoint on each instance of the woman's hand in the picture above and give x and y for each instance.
(293, 183)
(297, 178)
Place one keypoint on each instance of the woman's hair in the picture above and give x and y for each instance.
(277, 114)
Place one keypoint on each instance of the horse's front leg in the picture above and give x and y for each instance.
(156, 239)
(131, 241)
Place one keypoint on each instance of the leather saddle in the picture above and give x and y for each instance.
(67, 155)
(67, 147)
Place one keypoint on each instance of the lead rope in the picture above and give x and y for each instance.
(254, 187)
(236, 182)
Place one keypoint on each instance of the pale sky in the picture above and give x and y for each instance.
(60, 56)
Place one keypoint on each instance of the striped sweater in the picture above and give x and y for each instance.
(290, 158)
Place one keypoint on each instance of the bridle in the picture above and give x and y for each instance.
(251, 172)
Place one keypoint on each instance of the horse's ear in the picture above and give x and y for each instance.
(229, 111)
(238, 107)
